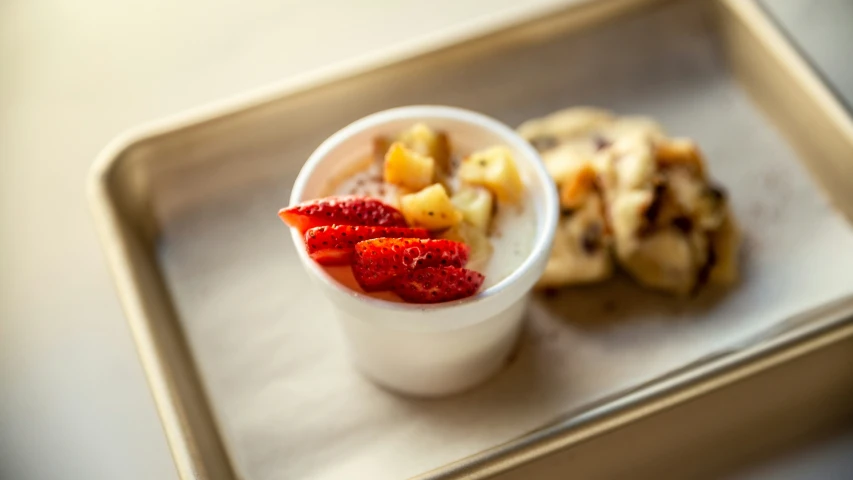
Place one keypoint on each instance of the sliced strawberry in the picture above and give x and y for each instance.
(437, 284)
(334, 244)
(350, 210)
(377, 262)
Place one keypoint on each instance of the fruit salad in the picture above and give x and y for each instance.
(419, 221)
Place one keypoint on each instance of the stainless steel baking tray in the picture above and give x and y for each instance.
(169, 195)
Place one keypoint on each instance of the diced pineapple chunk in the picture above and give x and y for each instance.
(408, 168)
(476, 205)
(430, 208)
(494, 169)
(477, 241)
(428, 142)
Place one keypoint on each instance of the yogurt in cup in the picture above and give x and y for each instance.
(439, 349)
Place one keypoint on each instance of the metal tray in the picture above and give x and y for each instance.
(246, 151)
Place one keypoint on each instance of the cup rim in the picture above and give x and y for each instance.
(544, 233)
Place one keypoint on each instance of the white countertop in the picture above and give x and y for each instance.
(73, 74)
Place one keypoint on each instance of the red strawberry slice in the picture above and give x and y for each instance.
(334, 244)
(437, 284)
(350, 210)
(377, 262)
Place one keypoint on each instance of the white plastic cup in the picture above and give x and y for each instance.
(440, 349)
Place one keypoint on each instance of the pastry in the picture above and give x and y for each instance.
(633, 196)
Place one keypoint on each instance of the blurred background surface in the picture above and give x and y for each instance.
(73, 74)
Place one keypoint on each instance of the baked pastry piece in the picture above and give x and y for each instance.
(672, 228)
(581, 252)
(629, 193)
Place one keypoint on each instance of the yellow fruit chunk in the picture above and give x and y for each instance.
(476, 205)
(427, 142)
(408, 168)
(494, 169)
(430, 208)
(477, 241)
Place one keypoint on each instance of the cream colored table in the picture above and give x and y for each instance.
(74, 73)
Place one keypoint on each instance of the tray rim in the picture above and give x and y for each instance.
(183, 446)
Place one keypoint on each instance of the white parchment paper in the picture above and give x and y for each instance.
(289, 404)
